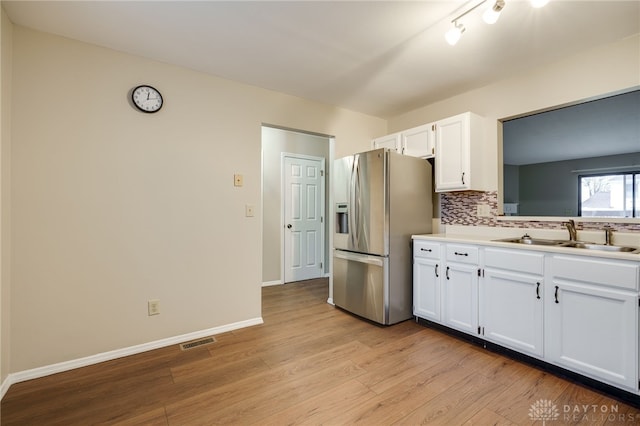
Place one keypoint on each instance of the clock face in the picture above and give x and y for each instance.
(146, 98)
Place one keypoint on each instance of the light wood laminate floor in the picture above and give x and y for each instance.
(311, 363)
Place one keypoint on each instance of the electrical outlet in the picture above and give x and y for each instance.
(483, 210)
(249, 210)
(153, 307)
(238, 180)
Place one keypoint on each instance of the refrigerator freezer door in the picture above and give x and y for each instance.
(360, 285)
(361, 183)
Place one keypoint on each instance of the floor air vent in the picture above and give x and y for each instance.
(196, 343)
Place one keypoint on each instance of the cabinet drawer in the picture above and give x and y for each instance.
(514, 260)
(426, 249)
(462, 254)
(597, 271)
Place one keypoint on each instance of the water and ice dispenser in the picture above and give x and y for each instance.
(342, 218)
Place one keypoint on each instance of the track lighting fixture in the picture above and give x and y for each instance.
(490, 16)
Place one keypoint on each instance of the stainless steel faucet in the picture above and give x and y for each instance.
(571, 227)
(608, 235)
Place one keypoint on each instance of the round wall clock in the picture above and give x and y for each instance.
(146, 98)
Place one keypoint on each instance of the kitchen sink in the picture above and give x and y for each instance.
(526, 239)
(603, 247)
(533, 241)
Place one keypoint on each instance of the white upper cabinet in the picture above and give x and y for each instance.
(419, 141)
(456, 143)
(393, 142)
(458, 159)
(416, 142)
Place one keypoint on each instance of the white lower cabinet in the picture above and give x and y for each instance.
(580, 313)
(427, 273)
(592, 319)
(511, 300)
(460, 294)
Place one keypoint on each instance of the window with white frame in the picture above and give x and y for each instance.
(609, 195)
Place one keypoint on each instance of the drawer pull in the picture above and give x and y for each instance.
(556, 294)
(460, 254)
(537, 290)
(424, 249)
(437, 276)
(447, 272)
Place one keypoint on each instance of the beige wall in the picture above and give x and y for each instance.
(6, 31)
(112, 207)
(585, 75)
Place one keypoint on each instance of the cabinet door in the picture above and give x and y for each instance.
(511, 310)
(461, 297)
(426, 289)
(419, 141)
(392, 142)
(593, 330)
(452, 164)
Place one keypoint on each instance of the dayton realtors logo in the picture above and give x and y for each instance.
(545, 410)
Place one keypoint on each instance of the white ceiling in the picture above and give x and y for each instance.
(378, 57)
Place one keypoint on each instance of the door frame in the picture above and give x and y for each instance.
(325, 220)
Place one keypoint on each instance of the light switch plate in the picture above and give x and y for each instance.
(238, 180)
(153, 307)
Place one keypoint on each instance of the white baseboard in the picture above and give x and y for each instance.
(5, 386)
(47, 370)
(270, 283)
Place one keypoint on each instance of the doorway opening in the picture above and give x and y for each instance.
(295, 191)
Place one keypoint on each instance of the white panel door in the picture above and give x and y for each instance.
(303, 221)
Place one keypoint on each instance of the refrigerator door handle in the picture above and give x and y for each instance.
(353, 201)
(357, 257)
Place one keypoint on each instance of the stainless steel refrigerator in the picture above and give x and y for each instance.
(382, 198)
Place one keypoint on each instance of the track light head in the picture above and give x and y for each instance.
(453, 35)
(491, 15)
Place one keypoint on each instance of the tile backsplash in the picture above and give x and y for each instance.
(460, 208)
